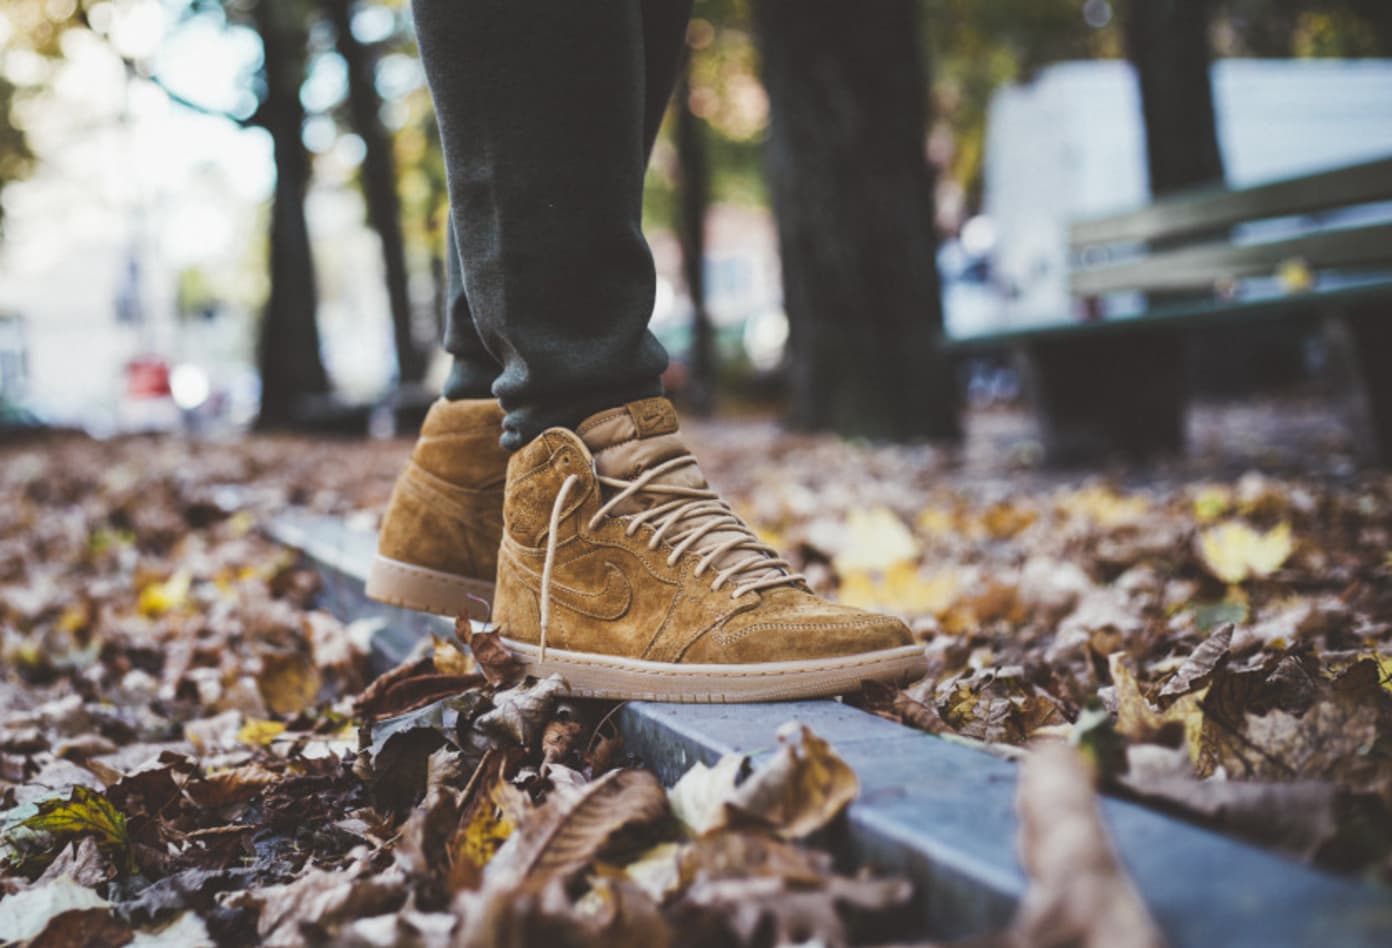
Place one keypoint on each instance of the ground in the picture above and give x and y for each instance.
(190, 750)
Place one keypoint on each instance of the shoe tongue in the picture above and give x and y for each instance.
(633, 438)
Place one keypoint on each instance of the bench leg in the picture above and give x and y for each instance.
(1368, 334)
(1105, 395)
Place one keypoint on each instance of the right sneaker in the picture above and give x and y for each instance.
(622, 571)
(438, 548)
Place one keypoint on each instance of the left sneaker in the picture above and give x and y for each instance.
(625, 573)
(438, 549)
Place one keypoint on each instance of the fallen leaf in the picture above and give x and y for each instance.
(497, 664)
(874, 540)
(1233, 552)
(1200, 664)
(565, 834)
(1078, 893)
(28, 912)
(698, 798)
(797, 791)
(520, 714)
(157, 598)
(1138, 720)
(83, 812)
(258, 731)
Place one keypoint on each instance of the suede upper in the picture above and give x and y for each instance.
(641, 594)
(445, 512)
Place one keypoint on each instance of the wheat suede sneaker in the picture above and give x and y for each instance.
(438, 549)
(622, 571)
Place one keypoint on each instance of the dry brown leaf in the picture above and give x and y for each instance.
(1200, 664)
(1078, 893)
(698, 798)
(1138, 720)
(797, 791)
(497, 664)
(565, 834)
(520, 714)
(289, 681)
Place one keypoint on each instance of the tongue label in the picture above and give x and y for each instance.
(653, 416)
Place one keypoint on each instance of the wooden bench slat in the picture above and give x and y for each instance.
(1198, 314)
(1206, 265)
(1209, 209)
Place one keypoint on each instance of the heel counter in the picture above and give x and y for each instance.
(425, 526)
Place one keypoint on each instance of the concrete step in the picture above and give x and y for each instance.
(939, 813)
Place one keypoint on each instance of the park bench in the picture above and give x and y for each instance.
(1315, 249)
(932, 810)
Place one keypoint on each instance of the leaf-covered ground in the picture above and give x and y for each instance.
(1220, 640)
(191, 752)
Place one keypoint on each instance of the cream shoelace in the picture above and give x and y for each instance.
(761, 564)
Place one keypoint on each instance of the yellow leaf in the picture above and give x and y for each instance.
(1384, 663)
(1211, 501)
(770, 536)
(451, 660)
(1139, 721)
(73, 619)
(1295, 275)
(901, 589)
(657, 871)
(258, 731)
(241, 523)
(1103, 506)
(876, 540)
(158, 598)
(84, 813)
(1002, 521)
(1234, 552)
(483, 835)
(935, 521)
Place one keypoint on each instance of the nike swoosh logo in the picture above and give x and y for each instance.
(606, 602)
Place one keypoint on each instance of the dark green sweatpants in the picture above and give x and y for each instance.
(548, 110)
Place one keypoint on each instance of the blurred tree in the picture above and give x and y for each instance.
(28, 29)
(1304, 28)
(16, 160)
(693, 171)
(288, 355)
(378, 177)
(853, 194)
(1168, 41)
(976, 48)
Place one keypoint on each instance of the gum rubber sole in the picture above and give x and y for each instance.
(592, 675)
(428, 590)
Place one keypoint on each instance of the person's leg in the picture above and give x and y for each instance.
(664, 31)
(542, 108)
(473, 367)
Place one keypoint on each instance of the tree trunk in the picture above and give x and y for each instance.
(694, 170)
(853, 194)
(288, 348)
(378, 177)
(1168, 43)
(1128, 392)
